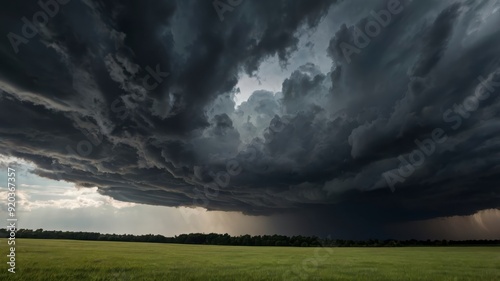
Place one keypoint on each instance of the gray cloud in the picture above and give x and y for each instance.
(93, 104)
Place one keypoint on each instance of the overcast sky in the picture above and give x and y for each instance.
(361, 119)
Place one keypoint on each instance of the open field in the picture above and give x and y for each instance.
(95, 260)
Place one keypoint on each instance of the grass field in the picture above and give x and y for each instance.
(93, 260)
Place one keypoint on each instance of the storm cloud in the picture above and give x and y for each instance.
(137, 99)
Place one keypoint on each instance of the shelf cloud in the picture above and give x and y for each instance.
(137, 99)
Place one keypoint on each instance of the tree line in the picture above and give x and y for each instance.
(242, 240)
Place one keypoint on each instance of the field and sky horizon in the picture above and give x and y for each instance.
(348, 119)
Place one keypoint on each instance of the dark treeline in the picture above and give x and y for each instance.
(244, 240)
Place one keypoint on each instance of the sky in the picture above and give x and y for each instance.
(349, 119)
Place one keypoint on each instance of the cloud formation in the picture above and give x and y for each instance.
(137, 99)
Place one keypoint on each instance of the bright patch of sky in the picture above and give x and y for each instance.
(271, 74)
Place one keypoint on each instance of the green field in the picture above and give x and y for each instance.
(94, 260)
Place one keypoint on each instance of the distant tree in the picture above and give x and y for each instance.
(243, 240)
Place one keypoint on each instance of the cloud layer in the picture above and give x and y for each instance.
(137, 99)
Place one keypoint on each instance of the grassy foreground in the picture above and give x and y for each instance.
(121, 261)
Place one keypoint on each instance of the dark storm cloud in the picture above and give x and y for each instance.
(137, 99)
